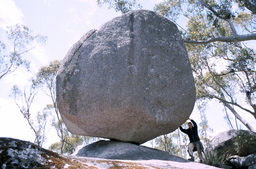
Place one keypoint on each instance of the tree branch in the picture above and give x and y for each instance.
(217, 10)
(232, 103)
(232, 27)
(8, 70)
(239, 117)
(216, 81)
(237, 38)
(228, 118)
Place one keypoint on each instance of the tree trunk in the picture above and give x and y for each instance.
(247, 125)
(165, 143)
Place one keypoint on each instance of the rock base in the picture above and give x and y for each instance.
(125, 151)
(16, 153)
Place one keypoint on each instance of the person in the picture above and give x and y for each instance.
(195, 143)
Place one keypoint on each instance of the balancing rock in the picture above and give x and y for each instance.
(131, 80)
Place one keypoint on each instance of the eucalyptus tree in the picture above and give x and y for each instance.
(15, 43)
(223, 71)
(174, 143)
(239, 11)
(223, 66)
(121, 5)
(70, 144)
(216, 34)
(217, 14)
(25, 100)
(46, 79)
(165, 143)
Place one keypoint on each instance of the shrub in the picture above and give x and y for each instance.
(214, 159)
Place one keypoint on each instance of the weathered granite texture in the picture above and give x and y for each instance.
(16, 153)
(130, 80)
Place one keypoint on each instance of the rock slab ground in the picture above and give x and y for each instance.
(22, 154)
(131, 80)
(124, 151)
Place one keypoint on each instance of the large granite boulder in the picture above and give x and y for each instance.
(130, 80)
(125, 151)
(234, 142)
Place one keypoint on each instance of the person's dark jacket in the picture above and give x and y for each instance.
(192, 133)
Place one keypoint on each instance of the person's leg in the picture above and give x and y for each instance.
(190, 150)
(199, 151)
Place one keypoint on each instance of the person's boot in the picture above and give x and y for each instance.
(191, 159)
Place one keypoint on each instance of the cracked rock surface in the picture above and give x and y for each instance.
(131, 80)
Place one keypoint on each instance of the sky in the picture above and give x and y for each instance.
(63, 22)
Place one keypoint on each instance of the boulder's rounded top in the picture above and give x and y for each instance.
(146, 13)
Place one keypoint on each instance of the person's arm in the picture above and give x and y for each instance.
(194, 123)
(183, 130)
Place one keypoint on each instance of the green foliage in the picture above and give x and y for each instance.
(18, 41)
(174, 143)
(55, 146)
(47, 74)
(244, 143)
(198, 29)
(24, 101)
(46, 79)
(70, 144)
(170, 8)
(208, 18)
(121, 5)
(222, 71)
(249, 4)
(212, 158)
(165, 143)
